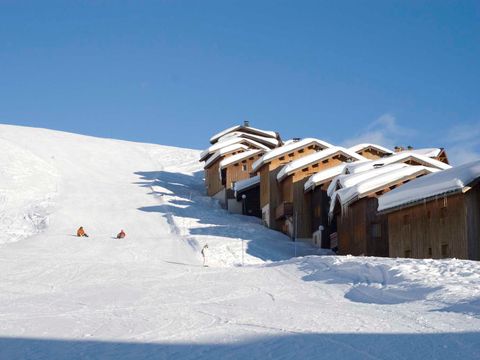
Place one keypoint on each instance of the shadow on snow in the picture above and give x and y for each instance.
(182, 195)
(299, 346)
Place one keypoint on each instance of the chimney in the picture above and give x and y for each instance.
(409, 147)
(398, 148)
(296, 139)
(246, 123)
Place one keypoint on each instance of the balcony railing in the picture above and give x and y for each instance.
(283, 210)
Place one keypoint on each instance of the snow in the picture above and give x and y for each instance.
(271, 142)
(243, 128)
(429, 152)
(245, 184)
(396, 158)
(239, 157)
(291, 146)
(354, 192)
(347, 180)
(149, 297)
(227, 142)
(315, 157)
(452, 180)
(360, 147)
(224, 151)
(323, 176)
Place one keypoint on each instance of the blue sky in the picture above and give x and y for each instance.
(175, 72)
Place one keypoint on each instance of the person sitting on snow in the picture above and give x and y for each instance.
(121, 234)
(81, 232)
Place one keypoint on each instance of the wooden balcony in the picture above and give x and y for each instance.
(283, 210)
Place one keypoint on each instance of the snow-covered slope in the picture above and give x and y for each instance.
(149, 297)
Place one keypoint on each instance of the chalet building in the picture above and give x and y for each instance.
(371, 151)
(231, 142)
(435, 153)
(247, 196)
(405, 157)
(293, 212)
(213, 182)
(251, 144)
(268, 166)
(316, 193)
(437, 216)
(235, 168)
(246, 129)
(360, 229)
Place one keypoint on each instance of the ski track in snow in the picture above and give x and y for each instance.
(149, 297)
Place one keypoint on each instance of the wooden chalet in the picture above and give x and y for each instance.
(268, 166)
(360, 229)
(246, 129)
(235, 168)
(371, 151)
(293, 212)
(213, 182)
(249, 143)
(247, 196)
(437, 216)
(434, 153)
(316, 194)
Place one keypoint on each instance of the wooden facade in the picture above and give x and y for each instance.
(320, 203)
(213, 181)
(361, 230)
(372, 153)
(239, 170)
(444, 227)
(269, 187)
(298, 223)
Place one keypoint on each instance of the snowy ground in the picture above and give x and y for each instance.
(149, 297)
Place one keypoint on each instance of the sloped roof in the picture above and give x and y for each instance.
(351, 194)
(323, 176)
(242, 185)
(453, 180)
(227, 142)
(360, 147)
(224, 151)
(397, 157)
(291, 146)
(243, 128)
(347, 180)
(239, 157)
(430, 152)
(268, 141)
(315, 157)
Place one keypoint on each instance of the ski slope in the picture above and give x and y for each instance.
(149, 297)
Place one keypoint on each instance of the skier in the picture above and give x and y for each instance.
(204, 254)
(81, 232)
(121, 234)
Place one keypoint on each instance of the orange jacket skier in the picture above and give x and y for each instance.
(81, 232)
(121, 234)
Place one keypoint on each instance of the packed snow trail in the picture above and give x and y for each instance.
(148, 295)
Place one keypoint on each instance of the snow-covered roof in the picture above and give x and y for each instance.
(323, 176)
(224, 151)
(244, 128)
(239, 157)
(448, 181)
(350, 194)
(361, 147)
(429, 152)
(246, 184)
(291, 146)
(347, 180)
(315, 157)
(396, 158)
(271, 142)
(230, 141)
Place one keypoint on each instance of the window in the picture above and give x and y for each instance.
(290, 155)
(301, 151)
(443, 215)
(408, 253)
(406, 219)
(430, 252)
(318, 211)
(281, 158)
(315, 166)
(244, 167)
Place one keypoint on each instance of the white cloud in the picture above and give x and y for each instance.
(383, 131)
(463, 143)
